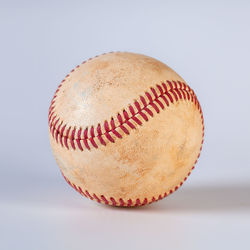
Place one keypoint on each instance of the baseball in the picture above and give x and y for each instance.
(125, 129)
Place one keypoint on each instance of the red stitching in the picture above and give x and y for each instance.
(183, 93)
(86, 143)
(174, 94)
(124, 129)
(58, 132)
(88, 194)
(170, 97)
(92, 132)
(175, 84)
(119, 117)
(165, 100)
(79, 144)
(154, 92)
(52, 120)
(143, 100)
(131, 109)
(50, 115)
(99, 129)
(152, 104)
(160, 103)
(109, 137)
(166, 92)
(122, 203)
(149, 97)
(116, 134)
(138, 106)
(104, 199)
(135, 119)
(101, 140)
(170, 84)
(130, 124)
(97, 199)
(91, 139)
(149, 111)
(85, 133)
(66, 138)
(53, 129)
(160, 89)
(81, 192)
(163, 95)
(125, 114)
(79, 133)
(106, 126)
(144, 116)
(61, 134)
(114, 203)
(129, 203)
(178, 93)
(137, 202)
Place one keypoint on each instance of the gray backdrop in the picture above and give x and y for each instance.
(208, 44)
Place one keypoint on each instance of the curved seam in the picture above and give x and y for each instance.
(169, 96)
(79, 138)
(120, 201)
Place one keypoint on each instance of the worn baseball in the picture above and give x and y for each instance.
(125, 129)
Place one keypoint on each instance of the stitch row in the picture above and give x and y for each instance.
(121, 202)
(155, 100)
(129, 203)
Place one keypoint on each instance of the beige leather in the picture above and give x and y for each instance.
(153, 158)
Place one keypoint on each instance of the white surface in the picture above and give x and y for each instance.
(207, 44)
(195, 217)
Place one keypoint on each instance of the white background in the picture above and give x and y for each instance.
(208, 44)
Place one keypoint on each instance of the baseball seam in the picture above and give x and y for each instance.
(72, 137)
(170, 97)
(153, 101)
(120, 202)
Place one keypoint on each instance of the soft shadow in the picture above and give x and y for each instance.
(206, 198)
